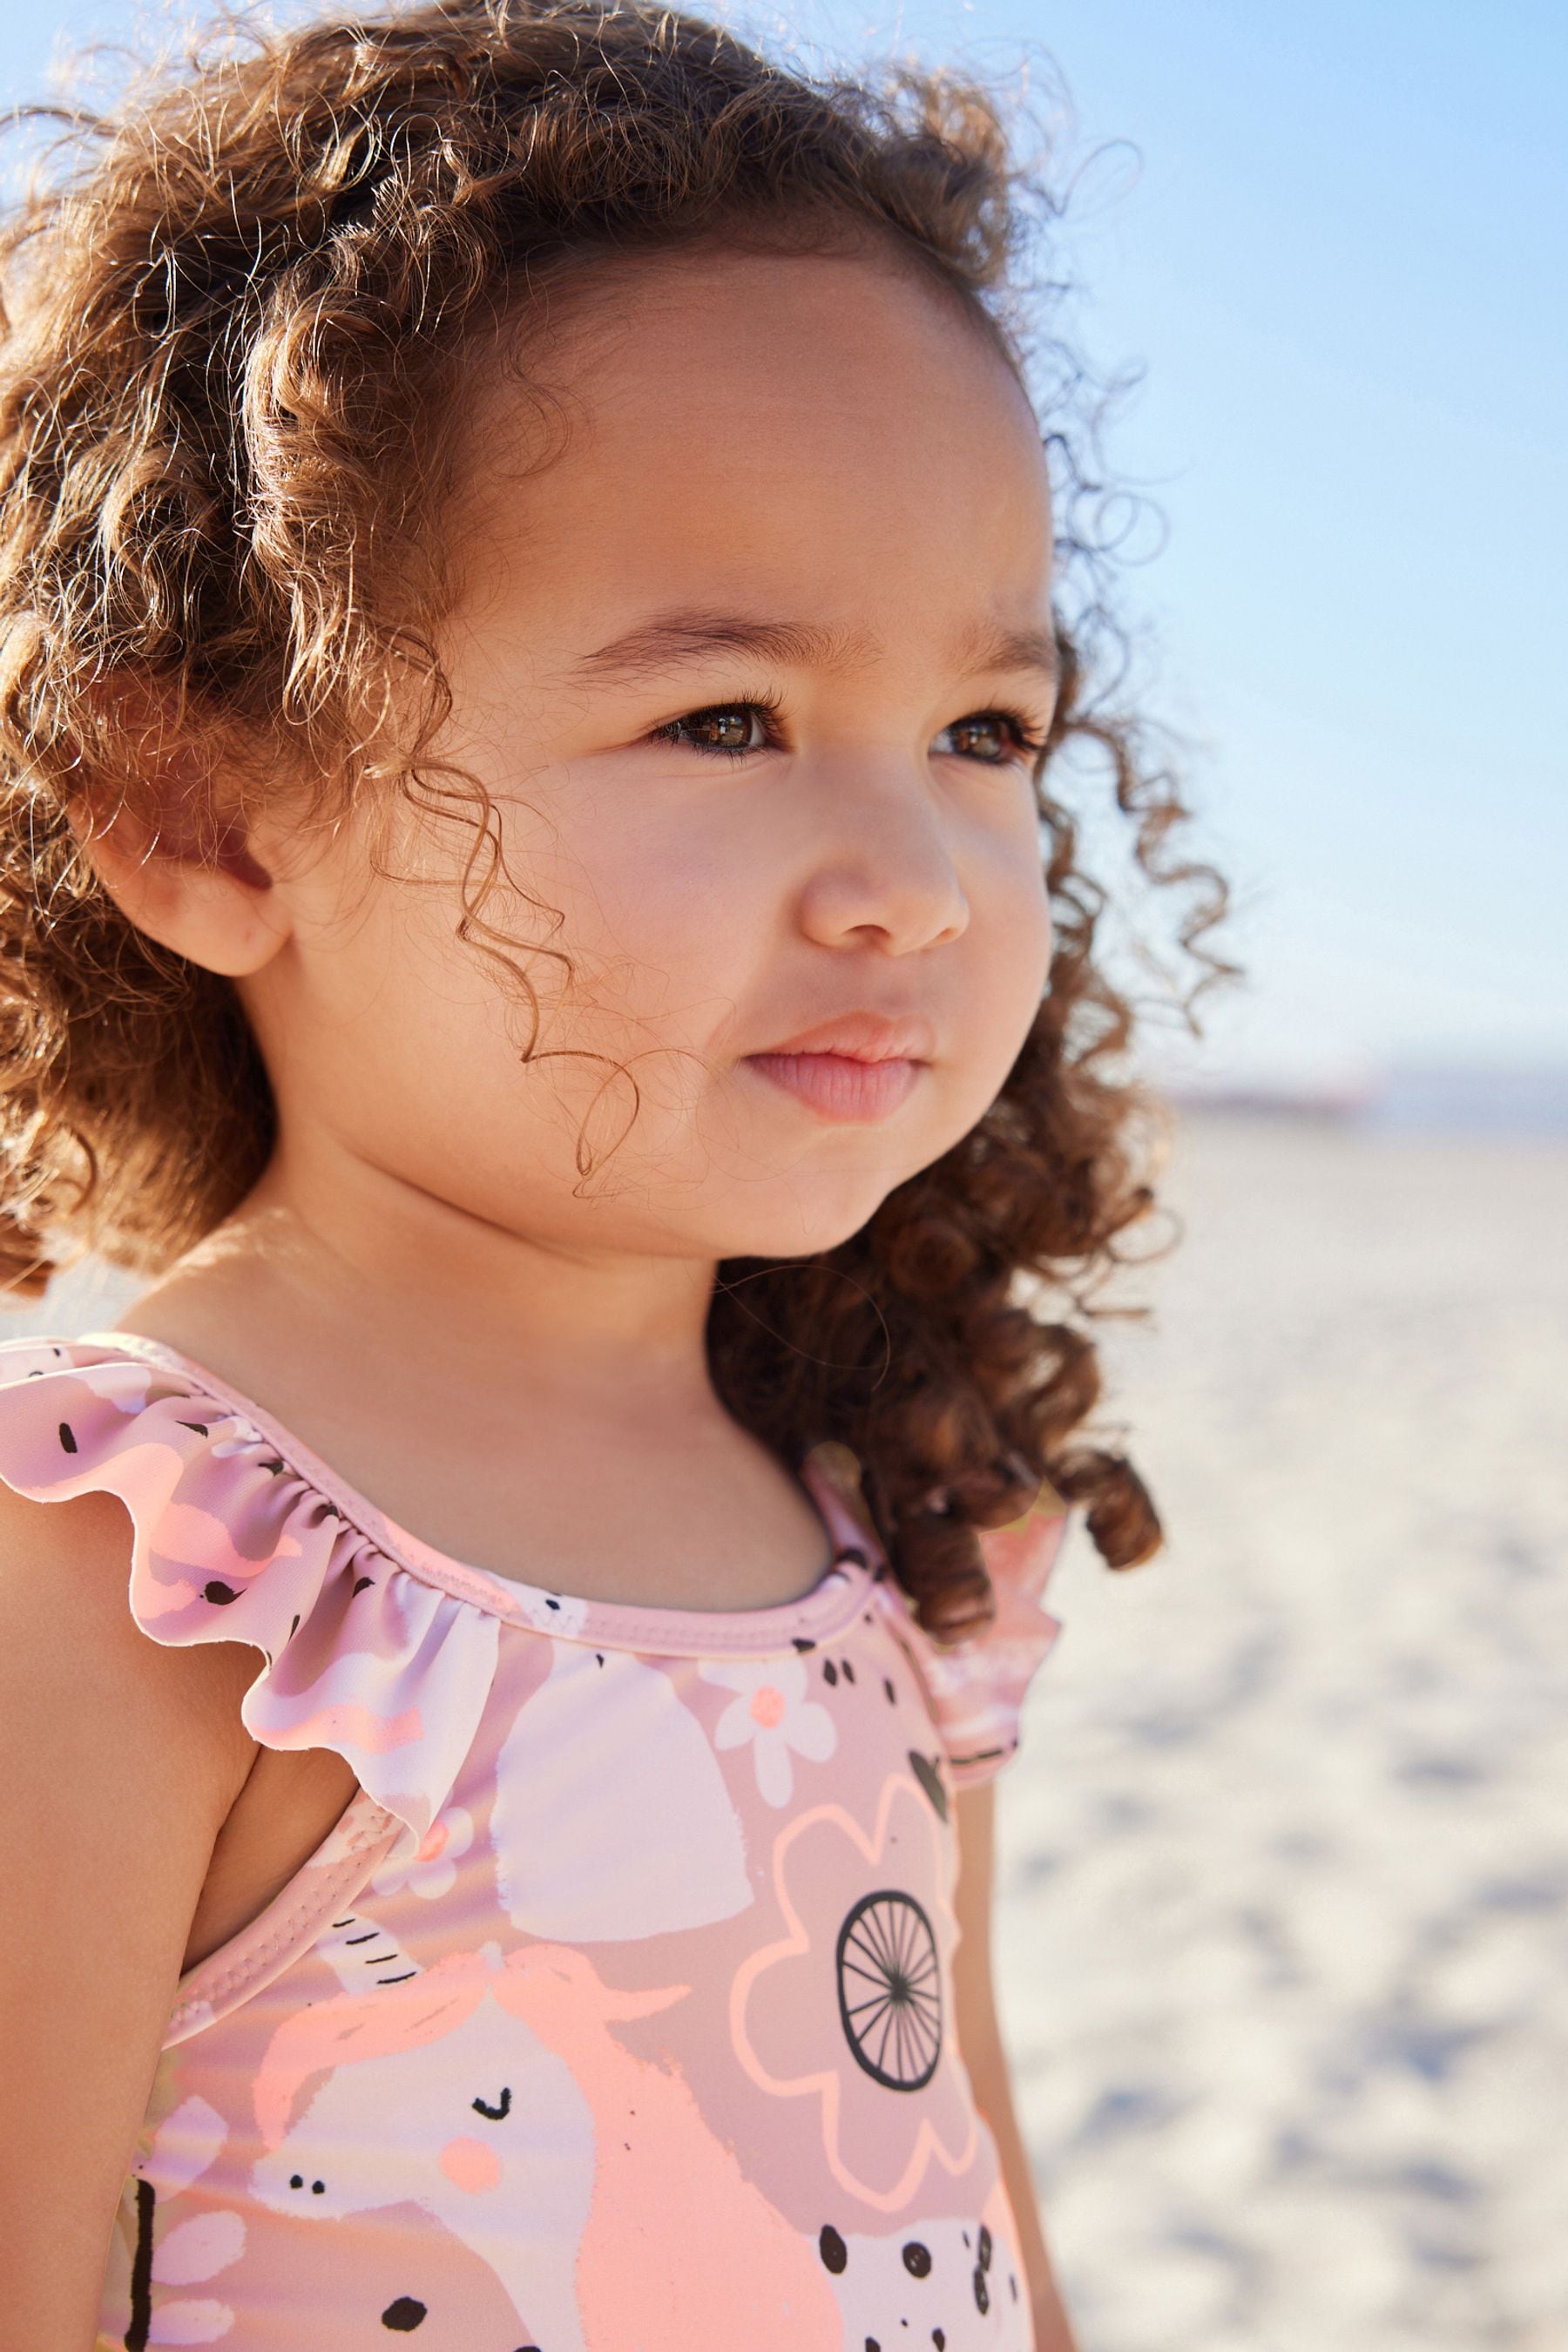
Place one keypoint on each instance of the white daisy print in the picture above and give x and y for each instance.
(771, 1709)
(433, 1869)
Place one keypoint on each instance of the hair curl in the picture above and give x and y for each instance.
(233, 314)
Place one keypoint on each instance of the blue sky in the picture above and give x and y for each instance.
(1327, 237)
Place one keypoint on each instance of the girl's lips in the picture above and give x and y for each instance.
(837, 1085)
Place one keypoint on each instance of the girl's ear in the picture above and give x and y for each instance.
(213, 904)
(176, 866)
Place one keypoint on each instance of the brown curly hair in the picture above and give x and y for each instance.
(235, 304)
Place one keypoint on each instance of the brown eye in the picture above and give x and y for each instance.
(726, 726)
(993, 737)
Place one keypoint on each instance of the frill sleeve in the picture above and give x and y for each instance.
(231, 1543)
(976, 1689)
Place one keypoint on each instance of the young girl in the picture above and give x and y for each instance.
(528, 665)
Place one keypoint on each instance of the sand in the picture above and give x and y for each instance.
(1283, 1949)
(1284, 1940)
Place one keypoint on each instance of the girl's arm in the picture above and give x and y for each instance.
(980, 2040)
(119, 1762)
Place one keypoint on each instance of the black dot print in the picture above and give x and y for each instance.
(829, 1671)
(296, 2180)
(831, 2247)
(938, 2337)
(802, 1645)
(67, 1437)
(917, 2259)
(403, 2315)
(982, 2292)
(889, 1990)
(887, 1686)
(983, 2249)
(849, 1671)
(221, 1593)
(360, 1584)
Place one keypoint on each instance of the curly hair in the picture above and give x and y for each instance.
(236, 307)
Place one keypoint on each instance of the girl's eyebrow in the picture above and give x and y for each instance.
(990, 647)
(670, 639)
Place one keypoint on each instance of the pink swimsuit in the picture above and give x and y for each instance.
(616, 2014)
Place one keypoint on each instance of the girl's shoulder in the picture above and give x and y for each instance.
(82, 1693)
(238, 1538)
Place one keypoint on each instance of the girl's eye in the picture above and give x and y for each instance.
(728, 728)
(993, 737)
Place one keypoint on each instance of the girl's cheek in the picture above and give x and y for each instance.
(1015, 926)
(679, 910)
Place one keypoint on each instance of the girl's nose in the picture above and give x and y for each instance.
(882, 871)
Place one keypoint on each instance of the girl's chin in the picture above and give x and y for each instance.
(807, 1217)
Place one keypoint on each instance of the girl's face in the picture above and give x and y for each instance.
(751, 670)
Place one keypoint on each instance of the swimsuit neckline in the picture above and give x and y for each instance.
(829, 1606)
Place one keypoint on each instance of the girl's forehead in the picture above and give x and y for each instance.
(765, 419)
(826, 347)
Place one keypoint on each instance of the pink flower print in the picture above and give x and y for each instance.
(771, 1709)
(852, 2006)
(432, 1870)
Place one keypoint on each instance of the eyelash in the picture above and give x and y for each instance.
(1029, 745)
(767, 707)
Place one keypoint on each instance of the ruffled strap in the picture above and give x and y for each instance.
(977, 1687)
(232, 1543)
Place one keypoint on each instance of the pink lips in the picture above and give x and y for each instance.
(859, 1066)
(838, 1086)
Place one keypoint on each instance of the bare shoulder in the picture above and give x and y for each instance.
(78, 1678)
(119, 1762)
(120, 1758)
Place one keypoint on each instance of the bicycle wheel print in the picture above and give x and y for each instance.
(889, 1990)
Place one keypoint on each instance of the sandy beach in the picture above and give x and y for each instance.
(1284, 1949)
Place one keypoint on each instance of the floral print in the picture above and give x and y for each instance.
(772, 1710)
(795, 2007)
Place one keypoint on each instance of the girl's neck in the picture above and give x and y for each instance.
(545, 1417)
(330, 1250)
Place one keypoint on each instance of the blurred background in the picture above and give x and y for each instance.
(1284, 1944)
